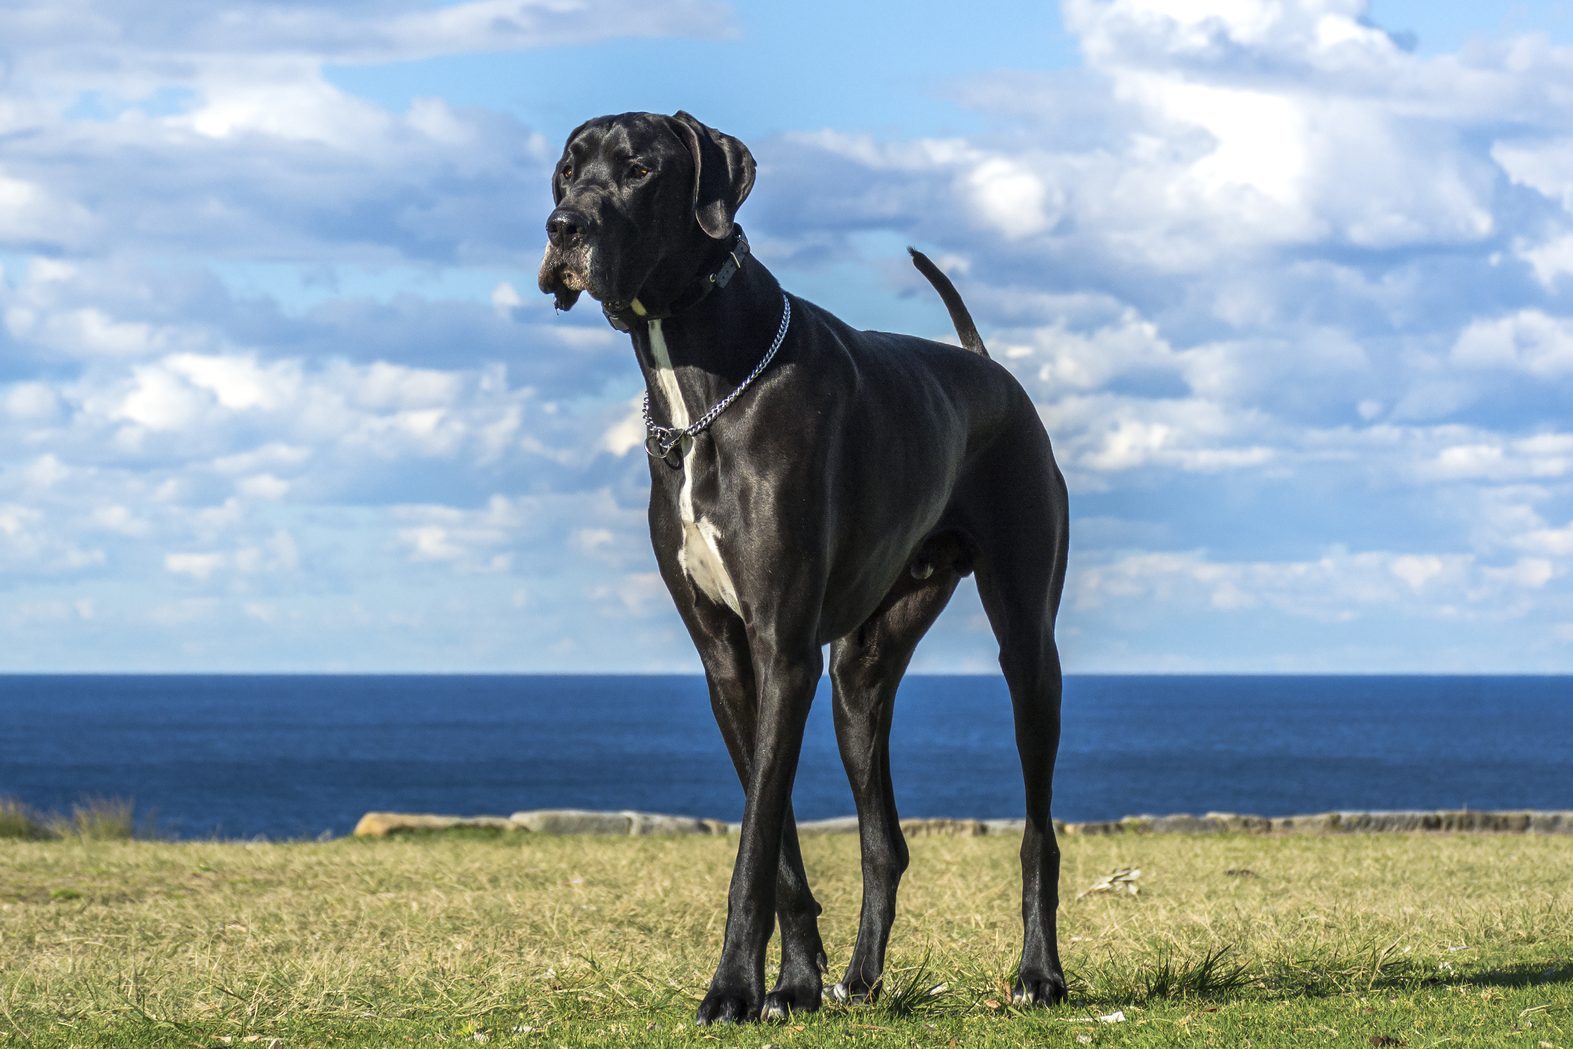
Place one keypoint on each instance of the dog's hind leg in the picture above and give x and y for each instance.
(865, 668)
(1021, 572)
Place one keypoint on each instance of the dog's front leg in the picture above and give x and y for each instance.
(787, 677)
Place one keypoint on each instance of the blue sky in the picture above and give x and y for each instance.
(1290, 281)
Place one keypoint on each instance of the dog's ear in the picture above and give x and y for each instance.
(557, 184)
(723, 174)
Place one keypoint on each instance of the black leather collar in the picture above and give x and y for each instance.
(624, 317)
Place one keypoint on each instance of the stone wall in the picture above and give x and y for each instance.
(628, 823)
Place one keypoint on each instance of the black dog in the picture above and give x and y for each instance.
(855, 480)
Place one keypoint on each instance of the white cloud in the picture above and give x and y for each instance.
(1529, 340)
(272, 456)
(1337, 586)
(1551, 259)
(1229, 128)
(1492, 458)
(628, 432)
(378, 409)
(1245, 124)
(383, 386)
(355, 31)
(1011, 198)
(1418, 570)
(505, 299)
(594, 542)
(471, 539)
(31, 212)
(238, 382)
(276, 553)
(29, 545)
(50, 612)
(83, 332)
(199, 566)
(1105, 434)
(31, 402)
(158, 400)
(1274, 281)
(44, 472)
(636, 595)
(115, 518)
(263, 486)
(283, 99)
(1556, 542)
(1091, 360)
(1318, 31)
(1530, 573)
(1545, 166)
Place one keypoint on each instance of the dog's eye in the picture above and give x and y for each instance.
(567, 172)
(638, 171)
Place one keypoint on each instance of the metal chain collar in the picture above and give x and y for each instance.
(663, 442)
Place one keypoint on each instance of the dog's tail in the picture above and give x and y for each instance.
(965, 329)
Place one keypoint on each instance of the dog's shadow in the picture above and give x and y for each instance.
(1214, 981)
(1511, 976)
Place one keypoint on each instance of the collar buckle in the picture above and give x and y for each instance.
(666, 442)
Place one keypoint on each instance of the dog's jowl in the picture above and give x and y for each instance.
(814, 484)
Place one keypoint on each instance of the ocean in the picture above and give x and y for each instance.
(301, 756)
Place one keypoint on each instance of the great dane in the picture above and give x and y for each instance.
(813, 484)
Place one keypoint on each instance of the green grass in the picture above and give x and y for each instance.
(538, 941)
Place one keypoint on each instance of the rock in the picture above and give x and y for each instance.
(572, 821)
(1128, 825)
(385, 824)
(1012, 827)
(1181, 823)
(1459, 821)
(942, 828)
(639, 824)
(1318, 823)
(1231, 821)
(647, 823)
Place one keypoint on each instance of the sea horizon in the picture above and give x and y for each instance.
(292, 755)
(1550, 675)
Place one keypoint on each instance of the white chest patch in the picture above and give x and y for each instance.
(699, 553)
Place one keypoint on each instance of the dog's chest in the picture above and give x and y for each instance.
(699, 551)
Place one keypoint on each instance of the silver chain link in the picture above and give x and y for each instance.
(662, 439)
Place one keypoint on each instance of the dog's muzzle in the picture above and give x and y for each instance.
(565, 274)
(565, 267)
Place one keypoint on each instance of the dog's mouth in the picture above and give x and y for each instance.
(564, 275)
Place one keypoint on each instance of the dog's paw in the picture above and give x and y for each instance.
(728, 1004)
(1039, 988)
(800, 990)
(784, 1001)
(853, 991)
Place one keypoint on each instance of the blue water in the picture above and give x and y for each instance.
(289, 757)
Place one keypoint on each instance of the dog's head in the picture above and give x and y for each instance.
(642, 201)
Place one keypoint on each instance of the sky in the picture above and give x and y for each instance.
(1290, 281)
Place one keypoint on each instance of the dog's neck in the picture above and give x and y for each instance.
(703, 353)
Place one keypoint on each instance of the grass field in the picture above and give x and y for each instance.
(1381, 940)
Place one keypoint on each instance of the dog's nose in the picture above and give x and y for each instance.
(565, 227)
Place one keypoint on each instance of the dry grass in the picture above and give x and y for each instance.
(91, 819)
(18, 821)
(532, 940)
